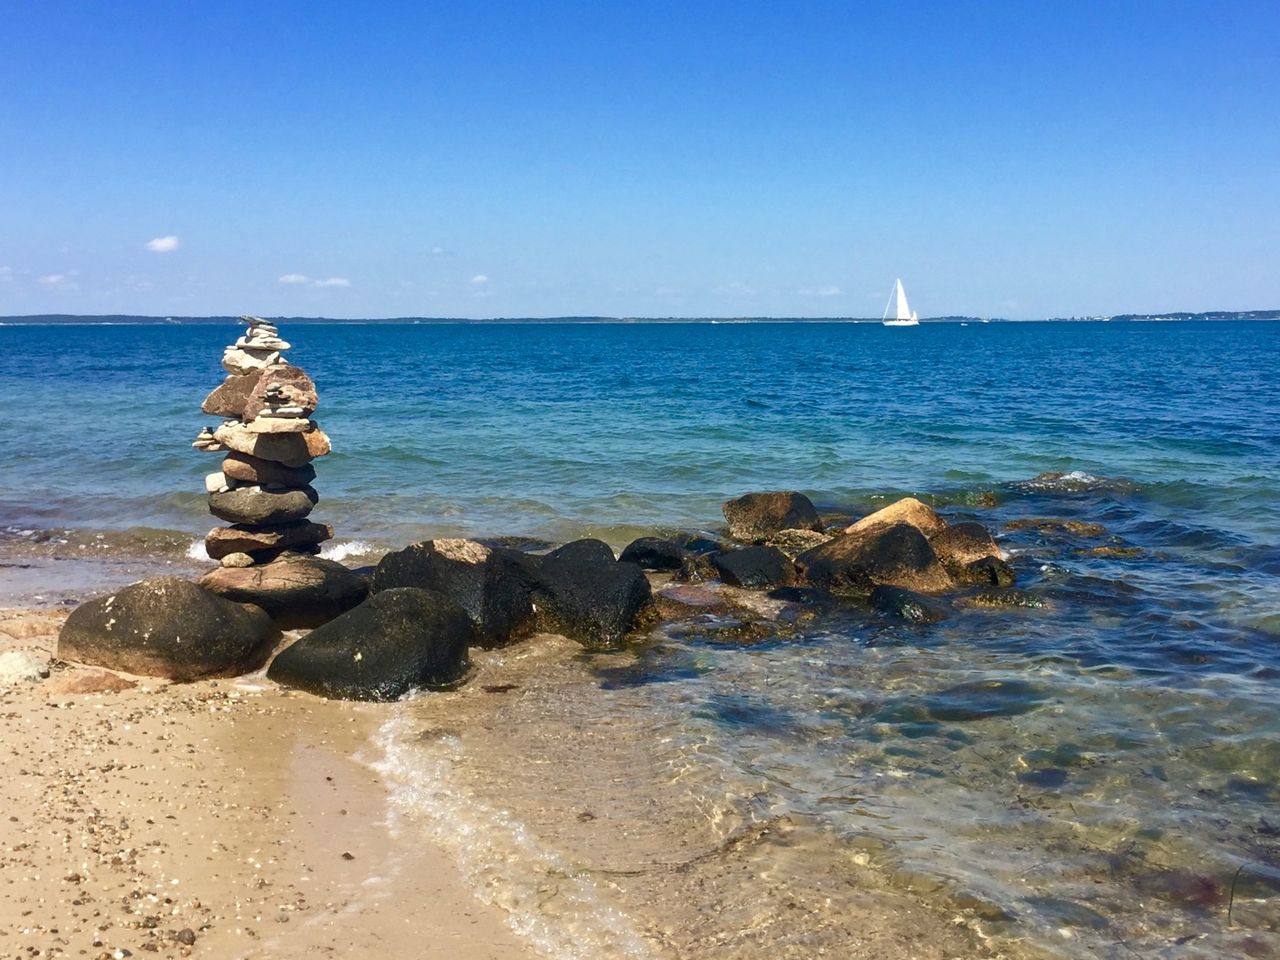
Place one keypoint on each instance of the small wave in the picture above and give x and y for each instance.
(342, 551)
(197, 551)
(1076, 481)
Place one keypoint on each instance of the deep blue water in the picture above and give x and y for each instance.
(1109, 763)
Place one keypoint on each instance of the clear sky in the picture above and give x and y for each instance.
(1019, 159)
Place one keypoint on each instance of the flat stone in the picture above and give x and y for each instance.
(228, 398)
(296, 592)
(908, 510)
(282, 385)
(278, 425)
(222, 541)
(255, 505)
(262, 341)
(238, 360)
(215, 482)
(247, 469)
(291, 449)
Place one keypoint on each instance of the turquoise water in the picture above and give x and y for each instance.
(1103, 772)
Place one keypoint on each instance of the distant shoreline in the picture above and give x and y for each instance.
(55, 319)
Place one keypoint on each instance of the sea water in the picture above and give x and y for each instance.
(1098, 776)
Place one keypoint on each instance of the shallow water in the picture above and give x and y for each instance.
(1097, 777)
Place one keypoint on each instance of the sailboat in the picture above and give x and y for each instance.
(905, 316)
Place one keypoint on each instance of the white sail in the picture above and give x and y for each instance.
(903, 311)
(904, 316)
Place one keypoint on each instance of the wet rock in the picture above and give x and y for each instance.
(228, 399)
(897, 555)
(281, 385)
(397, 640)
(295, 591)
(988, 571)
(249, 469)
(905, 605)
(222, 541)
(696, 568)
(582, 592)
(290, 449)
(992, 599)
(493, 585)
(809, 596)
(757, 568)
(654, 553)
(982, 699)
(959, 545)
(1054, 526)
(167, 627)
(758, 516)
(908, 510)
(1114, 552)
(795, 542)
(258, 506)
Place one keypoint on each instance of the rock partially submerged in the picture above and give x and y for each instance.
(961, 544)
(908, 510)
(896, 555)
(758, 568)
(905, 605)
(757, 516)
(396, 641)
(167, 627)
(582, 592)
(654, 553)
(295, 591)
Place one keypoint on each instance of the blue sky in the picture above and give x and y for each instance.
(683, 159)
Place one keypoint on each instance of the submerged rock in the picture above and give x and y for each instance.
(1055, 526)
(758, 516)
(167, 627)
(990, 599)
(582, 592)
(493, 585)
(654, 553)
(897, 555)
(908, 510)
(960, 545)
(905, 605)
(295, 591)
(988, 571)
(758, 568)
(397, 640)
(258, 506)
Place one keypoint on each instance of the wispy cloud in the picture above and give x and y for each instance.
(294, 278)
(163, 244)
(54, 279)
(334, 282)
(821, 292)
(479, 280)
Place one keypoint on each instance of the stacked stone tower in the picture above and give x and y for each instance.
(264, 487)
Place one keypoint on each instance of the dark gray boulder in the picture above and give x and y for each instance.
(167, 627)
(904, 605)
(758, 516)
(258, 506)
(896, 555)
(295, 591)
(494, 585)
(758, 568)
(988, 571)
(582, 592)
(396, 641)
(654, 553)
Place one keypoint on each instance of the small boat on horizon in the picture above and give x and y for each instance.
(905, 316)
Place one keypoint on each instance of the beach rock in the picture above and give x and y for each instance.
(908, 510)
(206, 443)
(695, 568)
(247, 469)
(396, 641)
(295, 591)
(269, 424)
(757, 516)
(290, 449)
(167, 627)
(493, 585)
(1055, 526)
(896, 555)
(257, 506)
(795, 542)
(960, 545)
(904, 605)
(986, 571)
(22, 666)
(88, 681)
(654, 553)
(288, 384)
(806, 596)
(993, 599)
(236, 560)
(758, 568)
(229, 398)
(222, 541)
(582, 592)
(241, 360)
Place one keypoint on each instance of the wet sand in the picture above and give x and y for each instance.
(222, 818)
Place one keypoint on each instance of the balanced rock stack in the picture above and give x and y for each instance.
(264, 487)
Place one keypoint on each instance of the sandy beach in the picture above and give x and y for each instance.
(224, 818)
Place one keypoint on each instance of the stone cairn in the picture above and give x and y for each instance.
(264, 487)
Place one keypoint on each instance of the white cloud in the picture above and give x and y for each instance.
(820, 292)
(53, 279)
(334, 282)
(479, 280)
(163, 244)
(293, 278)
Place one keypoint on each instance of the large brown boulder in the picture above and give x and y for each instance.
(291, 449)
(167, 627)
(248, 469)
(396, 641)
(229, 397)
(222, 541)
(963, 543)
(758, 516)
(291, 382)
(908, 510)
(897, 555)
(295, 591)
